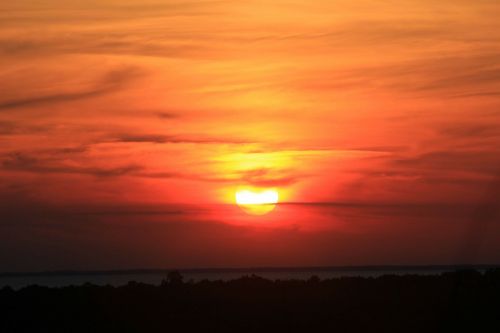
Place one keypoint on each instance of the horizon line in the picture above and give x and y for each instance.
(68, 272)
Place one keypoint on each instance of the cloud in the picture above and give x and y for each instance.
(111, 81)
(264, 177)
(14, 128)
(448, 75)
(464, 77)
(242, 178)
(27, 163)
(269, 177)
(469, 74)
(159, 138)
(482, 162)
(166, 115)
(12, 207)
(104, 42)
(256, 177)
(478, 94)
(470, 130)
(7, 127)
(94, 12)
(315, 149)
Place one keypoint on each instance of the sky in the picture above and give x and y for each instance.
(127, 127)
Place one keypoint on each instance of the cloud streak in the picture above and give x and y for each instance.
(110, 82)
(26, 163)
(161, 139)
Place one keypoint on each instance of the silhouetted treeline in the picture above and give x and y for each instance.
(461, 301)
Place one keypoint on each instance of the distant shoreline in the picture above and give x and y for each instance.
(253, 270)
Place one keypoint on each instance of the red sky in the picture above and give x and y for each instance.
(127, 126)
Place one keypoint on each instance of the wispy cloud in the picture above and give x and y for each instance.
(28, 163)
(470, 130)
(111, 81)
(188, 139)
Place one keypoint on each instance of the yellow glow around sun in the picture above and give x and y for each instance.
(257, 202)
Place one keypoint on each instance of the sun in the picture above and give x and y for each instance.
(257, 201)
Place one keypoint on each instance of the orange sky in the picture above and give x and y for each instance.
(126, 126)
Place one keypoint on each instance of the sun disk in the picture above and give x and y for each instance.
(257, 202)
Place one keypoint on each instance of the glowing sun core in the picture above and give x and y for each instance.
(257, 202)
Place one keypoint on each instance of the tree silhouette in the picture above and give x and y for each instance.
(174, 278)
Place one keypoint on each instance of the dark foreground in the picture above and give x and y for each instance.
(461, 301)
